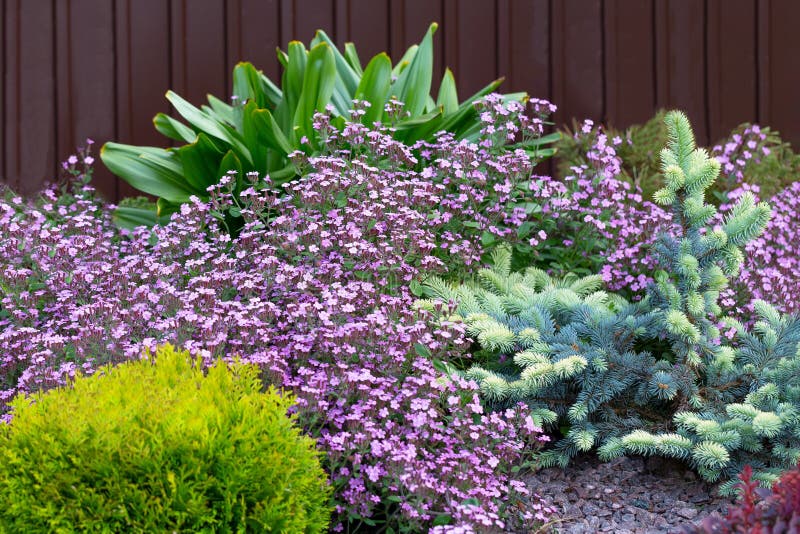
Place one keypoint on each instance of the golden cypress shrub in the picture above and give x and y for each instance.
(160, 446)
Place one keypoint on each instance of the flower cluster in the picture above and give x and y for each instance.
(483, 186)
(756, 156)
(313, 289)
(598, 222)
(737, 152)
(771, 269)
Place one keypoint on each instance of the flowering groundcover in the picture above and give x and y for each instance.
(314, 289)
(316, 286)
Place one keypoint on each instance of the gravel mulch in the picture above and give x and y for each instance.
(625, 496)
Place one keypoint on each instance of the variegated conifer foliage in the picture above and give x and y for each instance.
(565, 347)
(653, 378)
(697, 260)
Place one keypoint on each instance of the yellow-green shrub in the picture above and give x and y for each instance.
(160, 447)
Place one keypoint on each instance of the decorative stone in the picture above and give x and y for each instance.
(687, 513)
(623, 496)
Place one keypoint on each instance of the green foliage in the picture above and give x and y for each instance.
(160, 447)
(267, 123)
(138, 211)
(651, 378)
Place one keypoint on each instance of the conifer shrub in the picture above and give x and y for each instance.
(653, 377)
(160, 447)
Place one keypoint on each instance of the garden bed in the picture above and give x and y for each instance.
(462, 339)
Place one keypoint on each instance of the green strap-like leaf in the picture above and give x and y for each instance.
(283, 175)
(130, 218)
(165, 209)
(448, 96)
(412, 129)
(347, 77)
(539, 141)
(197, 118)
(351, 55)
(272, 92)
(173, 129)
(430, 105)
(254, 133)
(405, 61)
(283, 57)
(413, 85)
(149, 169)
(375, 86)
(265, 139)
(293, 77)
(221, 111)
(263, 128)
(203, 122)
(517, 97)
(318, 84)
(463, 116)
(245, 83)
(250, 83)
(200, 161)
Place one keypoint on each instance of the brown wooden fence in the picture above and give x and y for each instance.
(100, 68)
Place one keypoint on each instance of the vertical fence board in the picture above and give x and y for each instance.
(32, 158)
(143, 72)
(365, 23)
(763, 61)
(732, 71)
(198, 50)
(523, 55)
(471, 43)
(65, 95)
(577, 60)
(681, 61)
(85, 79)
(9, 166)
(253, 35)
(4, 174)
(629, 81)
(100, 68)
(300, 19)
(779, 68)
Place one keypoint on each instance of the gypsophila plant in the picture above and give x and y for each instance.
(595, 219)
(652, 378)
(771, 270)
(751, 159)
(637, 148)
(487, 193)
(756, 156)
(313, 290)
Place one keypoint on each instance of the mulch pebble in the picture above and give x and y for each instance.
(625, 496)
